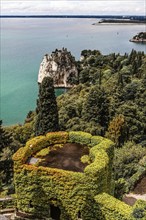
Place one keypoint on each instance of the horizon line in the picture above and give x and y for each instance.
(66, 15)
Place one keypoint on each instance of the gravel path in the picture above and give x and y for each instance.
(139, 192)
(137, 196)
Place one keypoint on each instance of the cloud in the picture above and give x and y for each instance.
(125, 7)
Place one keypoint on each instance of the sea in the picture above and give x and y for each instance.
(24, 42)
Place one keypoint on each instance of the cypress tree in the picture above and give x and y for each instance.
(117, 130)
(47, 112)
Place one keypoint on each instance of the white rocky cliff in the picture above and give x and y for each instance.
(61, 66)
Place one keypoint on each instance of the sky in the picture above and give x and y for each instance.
(73, 7)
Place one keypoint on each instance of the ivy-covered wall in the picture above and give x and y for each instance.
(38, 188)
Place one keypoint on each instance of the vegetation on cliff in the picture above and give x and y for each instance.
(140, 37)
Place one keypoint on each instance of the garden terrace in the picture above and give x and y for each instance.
(62, 156)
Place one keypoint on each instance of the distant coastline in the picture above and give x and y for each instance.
(122, 21)
(131, 17)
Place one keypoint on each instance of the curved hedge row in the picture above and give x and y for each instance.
(39, 188)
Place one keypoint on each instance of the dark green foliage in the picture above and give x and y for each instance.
(109, 86)
(5, 156)
(47, 113)
(139, 210)
(140, 36)
(113, 85)
(127, 167)
(96, 107)
(21, 133)
(88, 53)
(30, 117)
(84, 76)
(5, 138)
(72, 79)
(11, 139)
(135, 120)
(138, 213)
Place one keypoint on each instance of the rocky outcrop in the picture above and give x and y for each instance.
(139, 38)
(61, 66)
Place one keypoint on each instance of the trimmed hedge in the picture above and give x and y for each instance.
(111, 208)
(80, 137)
(96, 140)
(57, 137)
(73, 192)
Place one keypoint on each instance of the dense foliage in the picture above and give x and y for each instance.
(108, 100)
(129, 166)
(47, 113)
(110, 86)
(6, 152)
(141, 35)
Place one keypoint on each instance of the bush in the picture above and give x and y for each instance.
(80, 137)
(138, 213)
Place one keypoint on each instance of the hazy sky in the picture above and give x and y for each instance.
(86, 7)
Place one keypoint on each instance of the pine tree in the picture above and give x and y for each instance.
(47, 112)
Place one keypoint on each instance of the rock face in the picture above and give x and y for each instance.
(60, 66)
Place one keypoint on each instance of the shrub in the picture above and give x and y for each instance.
(80, 137)
(138, 213)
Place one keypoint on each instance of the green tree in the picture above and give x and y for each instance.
(5, 156)
(134, 117)
(127, 166)
(5, 138)
(22, 133)
(84, 76)
(117, 130)
(47, 112)
(96, 107)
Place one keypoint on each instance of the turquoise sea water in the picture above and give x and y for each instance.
(25, 41)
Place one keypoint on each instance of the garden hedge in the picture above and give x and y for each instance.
(38, 188)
